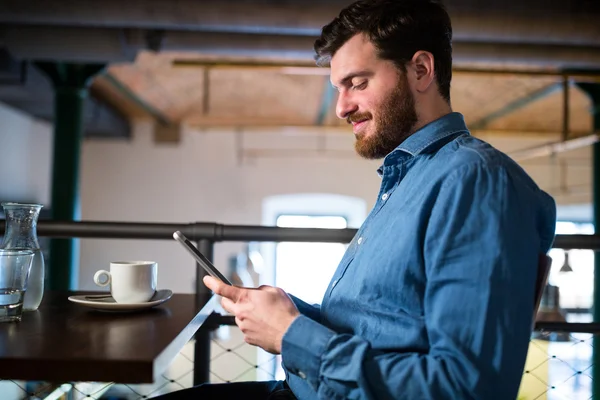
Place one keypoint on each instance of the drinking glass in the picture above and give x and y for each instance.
(14, 272)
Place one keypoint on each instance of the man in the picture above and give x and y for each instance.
(434, 296)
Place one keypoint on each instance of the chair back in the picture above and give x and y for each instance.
(544, 264)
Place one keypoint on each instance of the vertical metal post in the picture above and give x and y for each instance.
(593, 91)
(203, 336)
(70, 83)
(596, 299)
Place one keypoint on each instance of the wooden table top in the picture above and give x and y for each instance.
(67, 342)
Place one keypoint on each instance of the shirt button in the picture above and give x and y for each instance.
(384, 196)
(360, 239)
(301, 374)
(334, 283)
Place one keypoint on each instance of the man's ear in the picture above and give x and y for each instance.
(422, 70)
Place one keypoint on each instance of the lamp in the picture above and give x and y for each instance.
(566, 267)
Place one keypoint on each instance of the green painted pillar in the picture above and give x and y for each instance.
(593, 91)
(71, 82)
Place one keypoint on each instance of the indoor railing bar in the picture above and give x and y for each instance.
(219, 233)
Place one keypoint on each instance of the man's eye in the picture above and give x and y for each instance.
(360, 86)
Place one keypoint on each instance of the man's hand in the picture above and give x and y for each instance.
(263, 314)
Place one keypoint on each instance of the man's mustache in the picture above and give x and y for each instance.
(357, 117)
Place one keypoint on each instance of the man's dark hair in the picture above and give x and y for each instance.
(397, 29)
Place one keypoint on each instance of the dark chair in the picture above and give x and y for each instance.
(544, 264)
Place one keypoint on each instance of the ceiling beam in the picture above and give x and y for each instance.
(79, 45)
(132, 97)
(76, 44)
(532, 21)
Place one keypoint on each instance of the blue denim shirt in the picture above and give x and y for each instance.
(434, 296)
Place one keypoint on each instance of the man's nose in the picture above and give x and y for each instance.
(345, 106)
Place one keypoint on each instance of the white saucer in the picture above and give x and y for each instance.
(107, 303)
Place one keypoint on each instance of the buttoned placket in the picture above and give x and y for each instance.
(391, 177)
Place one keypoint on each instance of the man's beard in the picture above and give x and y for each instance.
(392, 125)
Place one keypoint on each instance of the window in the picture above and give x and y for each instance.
(351, 209)
(575, 278)
(305, 269)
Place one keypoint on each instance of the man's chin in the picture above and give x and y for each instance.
(366, 151)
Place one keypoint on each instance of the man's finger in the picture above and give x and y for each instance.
(228, 305)
(220, 288)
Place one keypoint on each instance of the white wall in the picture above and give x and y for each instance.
(25, 157)
(203, 179)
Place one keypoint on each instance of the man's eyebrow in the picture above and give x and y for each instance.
(358, 74)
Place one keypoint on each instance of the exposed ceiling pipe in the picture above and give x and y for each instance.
(113, 45)
(531, 21)
(554, 148)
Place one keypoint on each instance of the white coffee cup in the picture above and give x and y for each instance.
(130, 281)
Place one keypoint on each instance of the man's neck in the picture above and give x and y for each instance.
(432, 112)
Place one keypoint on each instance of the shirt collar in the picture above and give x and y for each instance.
(433, 135)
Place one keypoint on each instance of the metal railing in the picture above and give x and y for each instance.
(207, 234)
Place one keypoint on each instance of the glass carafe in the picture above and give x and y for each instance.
(21, 233)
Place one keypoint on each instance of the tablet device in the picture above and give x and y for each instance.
(202, 260)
